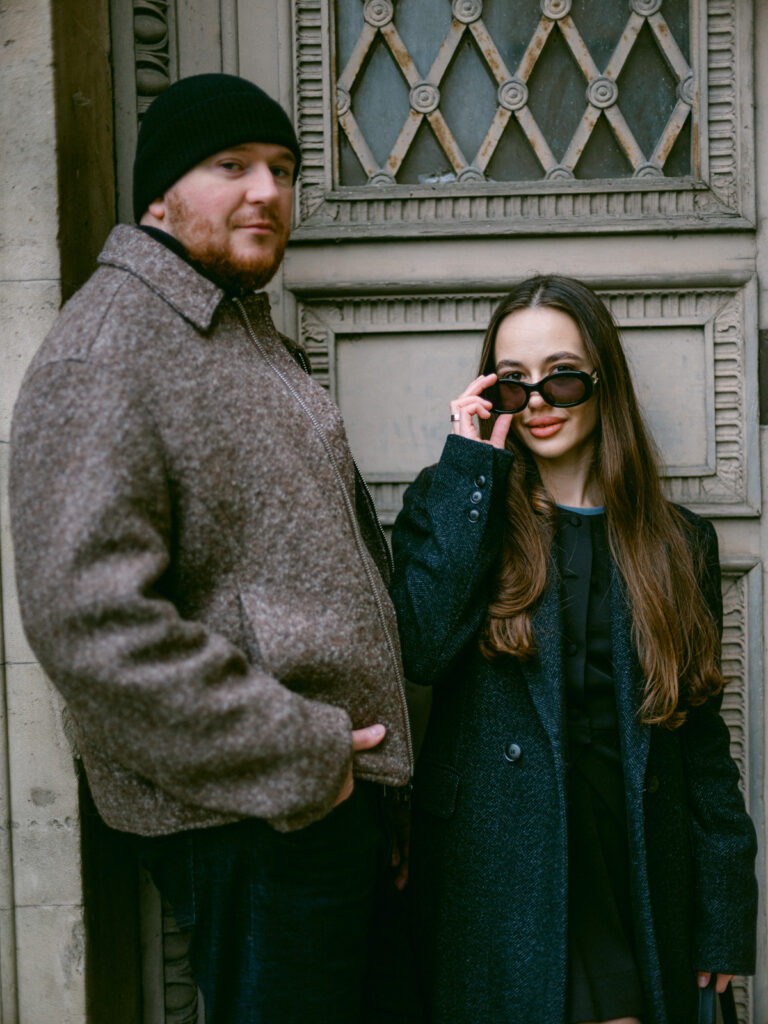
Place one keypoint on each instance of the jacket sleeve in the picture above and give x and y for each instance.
(723, 837)
(445, 543)
(162, 695)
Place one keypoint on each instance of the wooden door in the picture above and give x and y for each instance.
(452, 148)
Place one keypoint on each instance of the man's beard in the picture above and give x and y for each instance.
(247, 272)
(249, 275)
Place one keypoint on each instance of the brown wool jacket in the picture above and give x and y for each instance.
(198, 567)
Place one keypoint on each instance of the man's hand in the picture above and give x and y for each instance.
(362, 739)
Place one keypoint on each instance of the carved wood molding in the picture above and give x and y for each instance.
(722, 197)
(726, 484)
(182, 1005)
(152, 26)
(742, 666)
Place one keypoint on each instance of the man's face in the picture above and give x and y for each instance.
(232, 212)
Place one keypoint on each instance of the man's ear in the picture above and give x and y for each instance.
(154, 216)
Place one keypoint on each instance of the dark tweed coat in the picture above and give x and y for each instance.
(489, 850)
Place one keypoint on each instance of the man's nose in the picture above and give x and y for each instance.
(261, 186)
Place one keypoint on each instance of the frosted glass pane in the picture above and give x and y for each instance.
(468, 64)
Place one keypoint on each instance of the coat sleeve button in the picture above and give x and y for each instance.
(473, 515)
(476, 497)
(513, 752)
(480, 481)
(653, 784)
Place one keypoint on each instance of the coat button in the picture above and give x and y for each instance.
(476, 497)
(480, 481)
(575, 521)
(473, 515)
(513, 752)
(653, 784)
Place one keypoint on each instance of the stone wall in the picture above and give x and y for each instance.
(57, 205)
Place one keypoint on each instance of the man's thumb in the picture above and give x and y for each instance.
(364, 739)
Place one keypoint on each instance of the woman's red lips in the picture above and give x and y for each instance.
(544, 426)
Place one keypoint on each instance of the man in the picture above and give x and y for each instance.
(200, 572)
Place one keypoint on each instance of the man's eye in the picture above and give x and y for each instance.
(230, 165)
(282, 172)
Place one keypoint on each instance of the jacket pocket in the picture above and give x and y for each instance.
(436, 789)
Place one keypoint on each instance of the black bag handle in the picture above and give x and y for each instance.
(707, 1004)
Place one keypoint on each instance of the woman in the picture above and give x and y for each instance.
(580, 847)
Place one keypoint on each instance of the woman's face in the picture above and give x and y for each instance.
(531, 344)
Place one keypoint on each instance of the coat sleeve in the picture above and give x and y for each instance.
(445, 543)
(162, 695)
(723, 837)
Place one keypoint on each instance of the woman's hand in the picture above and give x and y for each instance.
(721, 984)
(470, 403)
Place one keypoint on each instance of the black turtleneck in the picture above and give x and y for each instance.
(232, 289)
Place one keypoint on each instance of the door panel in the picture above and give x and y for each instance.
(452, 148)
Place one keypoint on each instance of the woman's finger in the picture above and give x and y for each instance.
(469, 404)
(500, 430)
(478, 384)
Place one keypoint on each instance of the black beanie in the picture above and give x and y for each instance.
(195, 118)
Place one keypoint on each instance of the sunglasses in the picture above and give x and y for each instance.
(561, 389)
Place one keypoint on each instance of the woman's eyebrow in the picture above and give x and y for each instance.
(510, 363)
(555, 357)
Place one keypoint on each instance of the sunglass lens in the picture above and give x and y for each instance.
(508, 396)
(564, 389)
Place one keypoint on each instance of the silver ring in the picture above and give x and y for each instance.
(455, 417)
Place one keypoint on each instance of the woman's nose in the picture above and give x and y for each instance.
(536, 400)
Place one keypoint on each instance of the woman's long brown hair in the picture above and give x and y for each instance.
(673, 629)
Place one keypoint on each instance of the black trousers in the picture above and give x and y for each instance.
(284, 924)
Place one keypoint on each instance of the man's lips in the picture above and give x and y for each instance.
(544, 426)
(258, 227)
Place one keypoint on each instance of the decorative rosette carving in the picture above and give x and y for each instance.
(645, 7)
(382, 178)
(424, 97)
(559, 174)
(378, 12)
(648, 171)
(467, 11)
(343, 101)
(512, 94)
(602, 92)
(555, 9)
(686, 90)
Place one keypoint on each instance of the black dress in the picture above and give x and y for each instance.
(603, 980)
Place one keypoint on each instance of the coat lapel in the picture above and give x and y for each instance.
(635, 736)
(544, 674)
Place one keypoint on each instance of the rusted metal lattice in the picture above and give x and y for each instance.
(602, 94)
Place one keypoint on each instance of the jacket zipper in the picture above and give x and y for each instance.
(351, 514)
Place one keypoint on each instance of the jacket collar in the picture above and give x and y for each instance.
(191, 294)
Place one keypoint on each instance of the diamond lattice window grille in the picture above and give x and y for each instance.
(611, 98)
